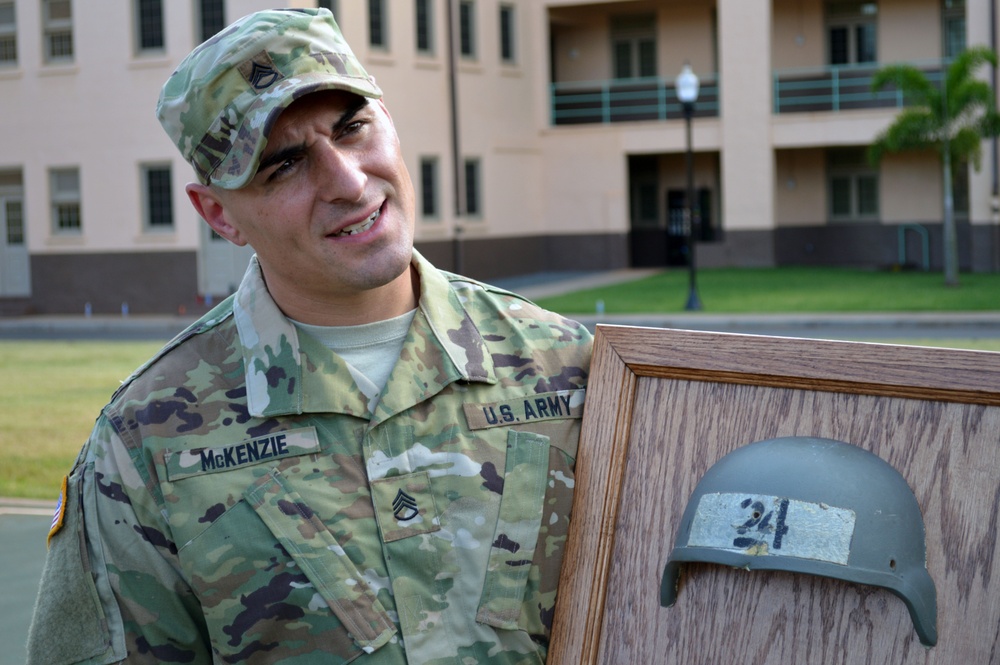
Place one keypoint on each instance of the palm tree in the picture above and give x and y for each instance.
(953, 119)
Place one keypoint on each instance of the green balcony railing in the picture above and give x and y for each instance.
(627, 100)
(839, 88)
(800, 90)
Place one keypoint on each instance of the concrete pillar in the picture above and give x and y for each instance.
(984, 202)
(747, 160)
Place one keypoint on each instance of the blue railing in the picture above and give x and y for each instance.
(627, 100)
(839, 88)
(801, 90)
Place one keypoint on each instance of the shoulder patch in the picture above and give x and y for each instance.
(60, 515)
(530, 408)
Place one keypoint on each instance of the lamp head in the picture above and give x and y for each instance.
(687, 85)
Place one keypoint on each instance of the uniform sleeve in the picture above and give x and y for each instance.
(111, 588)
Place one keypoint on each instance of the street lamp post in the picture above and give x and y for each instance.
(687, 93)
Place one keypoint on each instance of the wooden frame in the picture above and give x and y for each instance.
(664, 405)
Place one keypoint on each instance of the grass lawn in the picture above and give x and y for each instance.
(992, 344)
(52, 392)
(794, 289)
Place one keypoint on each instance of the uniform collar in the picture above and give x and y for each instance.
(290, 373)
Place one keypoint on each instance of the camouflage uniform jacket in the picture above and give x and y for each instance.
(239, 500)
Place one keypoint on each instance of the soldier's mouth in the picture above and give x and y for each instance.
(360, 227)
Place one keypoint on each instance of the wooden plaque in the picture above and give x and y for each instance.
(665, 405)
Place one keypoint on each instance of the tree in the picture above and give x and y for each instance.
(952, 119)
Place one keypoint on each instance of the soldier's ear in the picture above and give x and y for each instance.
(210, 205)
(386, 111)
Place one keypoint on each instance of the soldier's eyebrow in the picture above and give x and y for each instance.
(349, 113)
(288, 152)
(281, 156)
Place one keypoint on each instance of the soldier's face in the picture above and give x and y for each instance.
(331, 208)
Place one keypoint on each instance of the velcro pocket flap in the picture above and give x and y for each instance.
(517, 529)
(322, 559)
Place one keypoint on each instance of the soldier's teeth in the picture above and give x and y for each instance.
(358, 228)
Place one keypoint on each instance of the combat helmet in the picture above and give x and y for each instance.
(809, 505)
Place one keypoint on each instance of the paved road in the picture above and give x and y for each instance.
(23, 528)
(867, 327)
(974, 325)
(902, 326)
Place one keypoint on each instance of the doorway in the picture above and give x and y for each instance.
(15, 264)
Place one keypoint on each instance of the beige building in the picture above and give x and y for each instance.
(548, 137)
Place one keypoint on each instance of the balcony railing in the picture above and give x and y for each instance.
(628, 100)
(831, 88)
(839, 88)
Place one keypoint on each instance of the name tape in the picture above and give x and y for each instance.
(290, 443)
(543, 406)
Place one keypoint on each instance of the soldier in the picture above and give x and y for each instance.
(356, 457)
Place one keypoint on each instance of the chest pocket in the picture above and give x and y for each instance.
(405, 506)
(322, 559)
(516, 534)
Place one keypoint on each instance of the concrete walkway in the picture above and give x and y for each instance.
(541, 285)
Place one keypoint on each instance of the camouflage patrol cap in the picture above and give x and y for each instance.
(222, 100)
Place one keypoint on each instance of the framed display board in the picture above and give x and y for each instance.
(664, 405)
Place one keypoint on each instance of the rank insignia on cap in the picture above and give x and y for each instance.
(260, 71)
(60, 514)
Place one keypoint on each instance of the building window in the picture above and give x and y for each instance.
(378, 24)
(57, 30)
(473, 187)
(14, 210)
(211, 18)
(633, 46)
(149, 25)
(960, 188)
(65, 192)
(853, 186)
(11, 209)
(8, 34)
(851, 29)
(429, 187)
(424, 26)
(467, 28)
(507, 43)
(646, 204)
(158, 197)
(332, 6)
(953, 25)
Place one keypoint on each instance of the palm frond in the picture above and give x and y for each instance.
(966, 143)
(913, 129)
(963, 111)
(966, 63)
(913, 83)
(989, 124)
(971, 95)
